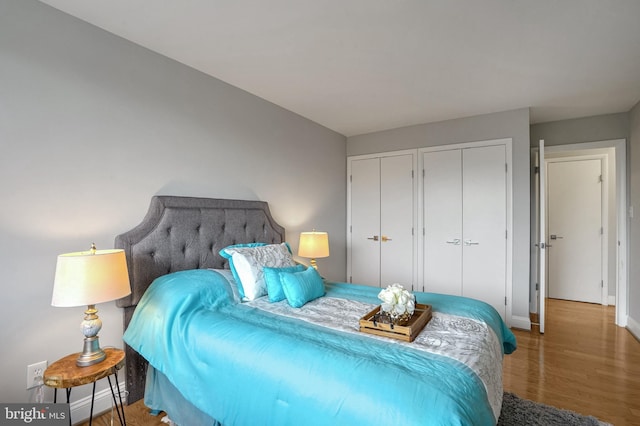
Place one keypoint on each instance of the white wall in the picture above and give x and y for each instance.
(92, 126)
(510, 124)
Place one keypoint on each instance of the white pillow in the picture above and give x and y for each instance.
(249, 261)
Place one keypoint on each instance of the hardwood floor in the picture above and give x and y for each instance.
(583, 363)
(136, 414)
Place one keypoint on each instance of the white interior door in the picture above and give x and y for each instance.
(542, 237)
(365, 221)
(397, 211)
(442, 219)
(484, 225)
(575, 230)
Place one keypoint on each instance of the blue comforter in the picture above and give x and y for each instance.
(244, 366)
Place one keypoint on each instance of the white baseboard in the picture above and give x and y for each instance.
(523, 323)
(612, 300)
(103, 401)
(634, 327)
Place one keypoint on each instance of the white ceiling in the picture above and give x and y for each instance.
(359, 66)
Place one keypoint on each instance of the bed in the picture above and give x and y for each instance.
(197, 349)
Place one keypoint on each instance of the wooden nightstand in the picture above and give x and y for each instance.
(64, 373)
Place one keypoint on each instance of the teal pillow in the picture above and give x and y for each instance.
(247, 264)
(273, 278)
(302, 287)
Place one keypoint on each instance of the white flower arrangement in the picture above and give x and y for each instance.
(397, 302)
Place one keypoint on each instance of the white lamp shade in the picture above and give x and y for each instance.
(313, 244)
(90, 277)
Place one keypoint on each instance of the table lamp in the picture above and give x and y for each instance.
(313, 245)
(88, 278)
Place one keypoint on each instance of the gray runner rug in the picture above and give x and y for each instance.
(522, 412)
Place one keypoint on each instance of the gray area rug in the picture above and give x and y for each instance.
(522, 412)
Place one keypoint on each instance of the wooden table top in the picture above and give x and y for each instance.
(64, 373)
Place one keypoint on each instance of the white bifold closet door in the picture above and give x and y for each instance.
(382, 206)
(364, 251)
(397, 217)
(442, 199)
(465, 208)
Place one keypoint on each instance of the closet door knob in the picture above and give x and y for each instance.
(471, 243)
(374, 238)
(455, 241)
(385, 238)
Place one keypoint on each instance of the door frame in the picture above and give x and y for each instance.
(508, 144)
(604, 212)
(538, 223)
(622, 220)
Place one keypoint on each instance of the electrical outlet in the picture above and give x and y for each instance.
(35, 372)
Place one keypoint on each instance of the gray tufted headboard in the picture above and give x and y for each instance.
(180, 233)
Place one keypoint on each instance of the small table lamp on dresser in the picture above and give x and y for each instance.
(89, 278)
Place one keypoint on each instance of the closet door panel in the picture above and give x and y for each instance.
(365, 221)
(442, 210)
(396, 220)
(484, 225)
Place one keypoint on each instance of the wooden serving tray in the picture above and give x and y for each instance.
(407, 332)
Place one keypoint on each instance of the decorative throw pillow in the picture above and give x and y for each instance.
(302, 287)
(227, 253)
(247, 263)
(273, 279)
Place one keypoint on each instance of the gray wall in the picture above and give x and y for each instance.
(92, 126)
(634, 244)
(510, 124)
(580, 130)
